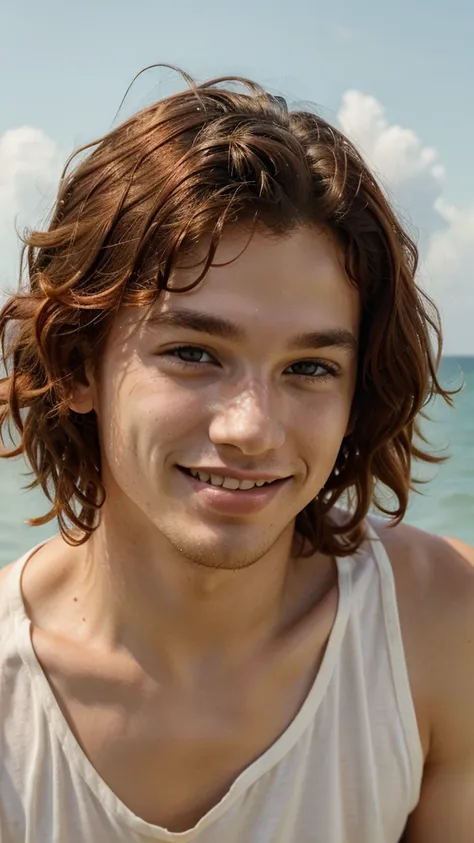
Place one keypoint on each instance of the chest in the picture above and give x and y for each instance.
(169, 756)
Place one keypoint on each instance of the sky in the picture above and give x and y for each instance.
(396, 78)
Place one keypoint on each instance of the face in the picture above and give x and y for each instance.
(249, 378)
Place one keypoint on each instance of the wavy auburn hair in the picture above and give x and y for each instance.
(190, 166)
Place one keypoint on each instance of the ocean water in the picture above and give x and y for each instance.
(445, 505)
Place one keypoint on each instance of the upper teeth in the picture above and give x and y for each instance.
(226, 482)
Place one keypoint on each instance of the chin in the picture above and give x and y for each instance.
(231, 548)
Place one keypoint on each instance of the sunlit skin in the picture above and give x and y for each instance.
(166, 563)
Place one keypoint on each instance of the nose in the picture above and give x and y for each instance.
(248, 422)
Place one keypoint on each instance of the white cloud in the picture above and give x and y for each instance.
(30, 167)
(451, 251)
(416, 182)
(449, 267)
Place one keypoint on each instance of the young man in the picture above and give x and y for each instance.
(220, 340)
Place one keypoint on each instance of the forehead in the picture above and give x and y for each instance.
(267, 280)
(270, 287)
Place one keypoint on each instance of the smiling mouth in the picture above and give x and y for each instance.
(229, 483)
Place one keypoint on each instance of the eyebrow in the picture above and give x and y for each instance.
(217, 326)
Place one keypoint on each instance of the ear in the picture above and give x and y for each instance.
(82, 394)
(82, 401)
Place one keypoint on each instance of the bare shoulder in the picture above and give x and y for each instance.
(429, 566)
(466, 550)
(47, 551)
(434, 578)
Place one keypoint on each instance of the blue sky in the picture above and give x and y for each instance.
(396, 77)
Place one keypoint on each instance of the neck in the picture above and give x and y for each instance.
(141, 594)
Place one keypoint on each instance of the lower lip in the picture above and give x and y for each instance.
(235, 502)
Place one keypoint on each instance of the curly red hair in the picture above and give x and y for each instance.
(191, 165)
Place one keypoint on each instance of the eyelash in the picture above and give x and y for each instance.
(330, 370)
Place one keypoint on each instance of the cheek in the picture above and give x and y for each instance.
(145, 418)
(322, 428)
(327, 416)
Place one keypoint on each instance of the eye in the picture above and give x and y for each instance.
(309, 369)
(190, 354)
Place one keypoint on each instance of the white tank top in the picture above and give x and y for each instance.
(347, 769)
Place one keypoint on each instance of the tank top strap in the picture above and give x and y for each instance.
(397, 655)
